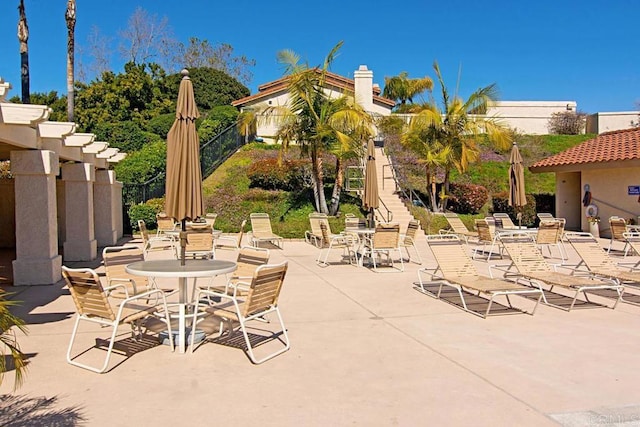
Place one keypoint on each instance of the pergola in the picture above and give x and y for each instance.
(80, 212)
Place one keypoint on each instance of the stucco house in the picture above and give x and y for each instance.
(608, 168)
(275, 93)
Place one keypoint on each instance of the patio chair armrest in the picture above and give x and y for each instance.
(506, 270)
(110, 288)
(237, 285)
(124, 281)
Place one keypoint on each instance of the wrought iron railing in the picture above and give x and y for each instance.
(212, 155)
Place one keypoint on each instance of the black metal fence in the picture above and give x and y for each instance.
(212, 155)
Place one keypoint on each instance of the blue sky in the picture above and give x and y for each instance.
(557, 50)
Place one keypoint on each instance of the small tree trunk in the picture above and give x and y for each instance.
(70, 17)
(337, 188)
(23, 37)
(318, 184)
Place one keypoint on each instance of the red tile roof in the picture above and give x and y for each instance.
(615, 146)
(336, 80)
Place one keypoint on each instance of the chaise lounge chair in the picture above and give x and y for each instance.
(457, 227)
(596, 261)
(527, 263)
(261, 230)
(455, 269)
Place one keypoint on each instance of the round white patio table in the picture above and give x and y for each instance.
(363, 233)
(174, 268)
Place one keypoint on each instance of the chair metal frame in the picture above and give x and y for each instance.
(261, 300)
(261, 230)
(344, 241)
(93, 306)
(456, 270)
(408, 239)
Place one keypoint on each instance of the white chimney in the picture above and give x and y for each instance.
(363, 79)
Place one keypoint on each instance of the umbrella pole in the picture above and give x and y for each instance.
(183, 241)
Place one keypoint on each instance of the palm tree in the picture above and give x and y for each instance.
(8, 341)
(401, 88)
(317, 122)
(456, 125)
(70, 17)
(23, 37)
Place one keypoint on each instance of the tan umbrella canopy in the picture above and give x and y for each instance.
(371, 198)
(184, 179)
(517, 197)
(183, 199)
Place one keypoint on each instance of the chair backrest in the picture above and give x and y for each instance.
(249, 259)
(265, 288)
(548, 232)
(618, 226)
(504, 220)
(116, 258)
(591, 253)
(210, 219)
(324, 232)
(199, 241)
(354, 222)
(143, 231)
(260, 224)
(451, 255)
(484, 230)
(87, 293)
(165, 223)
(315, 218)
(544, 215)
(386, 236)
(243, 224)
(410, 234)
(524, 253)
(455, 223)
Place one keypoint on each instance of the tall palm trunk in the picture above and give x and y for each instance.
(23, 37)
(337, 188)
(70, 17)
(318, 183)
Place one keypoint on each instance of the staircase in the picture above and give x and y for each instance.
(387, 193)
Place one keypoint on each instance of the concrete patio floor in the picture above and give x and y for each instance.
(366, 349)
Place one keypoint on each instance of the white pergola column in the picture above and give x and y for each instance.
(80, 244)
(106, 207)
(37, 260)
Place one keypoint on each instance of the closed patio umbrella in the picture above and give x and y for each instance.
(371, 198)
(183, 198)
(517, 197)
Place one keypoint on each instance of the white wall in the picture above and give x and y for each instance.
(610, 121)
(529, 117)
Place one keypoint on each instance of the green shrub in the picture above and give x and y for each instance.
(141, 166)
(287, 175)
(467, 198)
(501, 204)
(145, 212)
(161, 124)
(127, 136)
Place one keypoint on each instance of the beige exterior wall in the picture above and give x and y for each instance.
(529, 117)
(609, 192)
(569, 199)
(606, 122)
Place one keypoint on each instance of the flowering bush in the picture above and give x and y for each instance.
(288, 175)
(467, 198)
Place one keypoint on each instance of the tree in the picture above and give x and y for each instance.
(144, 38)
(401, 88)
(314, 120)
(567, 123)
(97, 48)
(70, 17)
(450, 132)
(211, 87)
(200, 53)
(8, 341)
(23, 37)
